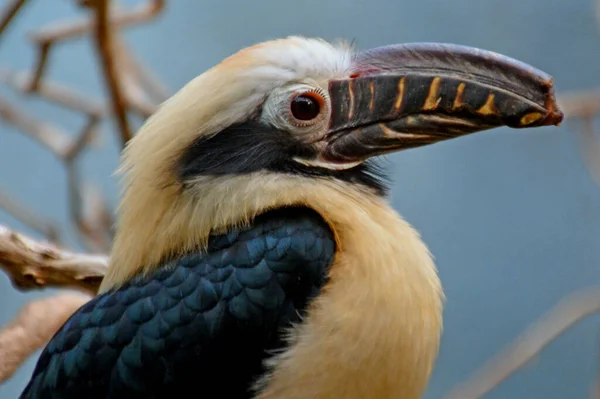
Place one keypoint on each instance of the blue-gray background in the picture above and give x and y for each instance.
(512, 217)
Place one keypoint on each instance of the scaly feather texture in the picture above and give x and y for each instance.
(202, 323)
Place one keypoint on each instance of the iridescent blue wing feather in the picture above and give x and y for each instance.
(199, 326)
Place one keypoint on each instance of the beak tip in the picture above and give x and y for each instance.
(552, 115)
(555, 118)
(555, 114)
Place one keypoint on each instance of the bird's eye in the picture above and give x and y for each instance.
(306, 107)
(301, 108)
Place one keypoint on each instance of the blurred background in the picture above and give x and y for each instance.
(512, 217)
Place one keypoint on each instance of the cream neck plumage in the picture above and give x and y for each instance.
(377, 323)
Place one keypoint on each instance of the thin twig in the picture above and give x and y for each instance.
(585, 107)
(87, 134)
(568, 312)
(90, 213)
(90, 225)
(57, 93)
(42, 62)
(93, 235)
(590, 148)
(33, 327)
(46, 228)
(136, 95)
(136, 99)
(580, 104)
(140, 75)
(75, 29)
(49, 136)
(67, 150)
(104, 44)
(10, 10)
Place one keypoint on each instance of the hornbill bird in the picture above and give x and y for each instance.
(256, 255)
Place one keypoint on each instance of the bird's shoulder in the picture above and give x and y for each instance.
(200, 313)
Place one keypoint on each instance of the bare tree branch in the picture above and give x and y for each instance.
(86, 210)
(42, 62)
(141, 76)
(32, 264)
(75, 29)
(580, 104)
(129, 84)
(103, 38)
(590, 148)
(67, 150)
(585, 107)
(59, 94)
(51, 137)
(10, 10)
(46, 228)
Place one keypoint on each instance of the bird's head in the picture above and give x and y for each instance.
(298, 121)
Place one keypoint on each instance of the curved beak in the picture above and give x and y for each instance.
(410, 95)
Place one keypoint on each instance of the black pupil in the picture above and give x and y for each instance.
(305, 108)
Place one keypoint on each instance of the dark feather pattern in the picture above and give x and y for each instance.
(255, 146)
(201, 325)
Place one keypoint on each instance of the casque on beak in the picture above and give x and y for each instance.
(410, 95)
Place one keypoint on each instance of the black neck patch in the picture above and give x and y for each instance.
(254, 146)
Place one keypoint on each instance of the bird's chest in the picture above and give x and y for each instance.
(373, 333)
(227, 366)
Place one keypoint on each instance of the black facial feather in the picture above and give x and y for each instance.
(254, 146)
